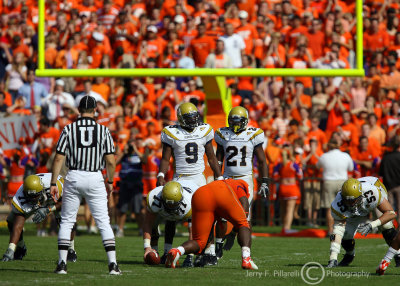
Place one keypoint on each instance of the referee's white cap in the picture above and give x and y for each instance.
(87, 102)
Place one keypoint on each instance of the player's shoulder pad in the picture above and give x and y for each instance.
(219, 133)
(253, 132)
(172, 131)
(203, 129)
(188, 215)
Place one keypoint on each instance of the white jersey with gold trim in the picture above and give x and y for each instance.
(239, 149)
(154, 202)
(23, 206)
(188, 147)
(374, 192)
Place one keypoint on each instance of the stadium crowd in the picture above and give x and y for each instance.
(299, 116)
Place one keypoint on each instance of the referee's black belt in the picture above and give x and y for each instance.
(76, 169)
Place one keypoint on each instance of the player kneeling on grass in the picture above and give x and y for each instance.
(32, 199)
(171, 202)
(350, 210)
(220, 199)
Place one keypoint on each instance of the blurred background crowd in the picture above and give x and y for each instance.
(299, 115)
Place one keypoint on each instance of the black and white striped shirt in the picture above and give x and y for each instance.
(84, 143)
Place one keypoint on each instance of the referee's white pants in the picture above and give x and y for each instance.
(249, 180)
(198, 179)
(89, 185)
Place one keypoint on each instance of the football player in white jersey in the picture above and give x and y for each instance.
(350, 209)
(33, 198)
(172, 202)
(186, 142)
(237, 145)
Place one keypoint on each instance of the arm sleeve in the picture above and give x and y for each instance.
(166, 139)
(110, 149)
(62, 142)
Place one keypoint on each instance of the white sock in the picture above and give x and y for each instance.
(72, 245)
(218, 240)
(62, 255)
(390, 253)
(12, 246)
(167, 247)
(245, 251)
(112, 256)
(210, 250)
(182, 250)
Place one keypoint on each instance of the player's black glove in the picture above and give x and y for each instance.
(40, 214)
(230, 240)
(264, 189)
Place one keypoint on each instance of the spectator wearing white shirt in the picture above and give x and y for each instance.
(219, 59)
(234, 45)
(55, 101)
(335, 164)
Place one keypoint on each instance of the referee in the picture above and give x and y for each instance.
(87, 146)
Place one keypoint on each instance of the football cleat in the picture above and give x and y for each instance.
(114, 269)
(382, 267)
(397, 260)
(219, 249)
(209, 260)
(248, 263)
(198, 262)
(163, 258)
(188, 262)
(173, 258)
(332, 263)
(61, 268)
(347, 259)
(20, 252)
(8, 255)
(72, 257)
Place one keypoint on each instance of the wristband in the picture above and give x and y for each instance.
(110, 182)
(146, 243)
(376, 223)
(161, 174)
(265, 180)
(53, 185)
(220, 178)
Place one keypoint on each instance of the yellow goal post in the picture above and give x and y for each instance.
(41, 71)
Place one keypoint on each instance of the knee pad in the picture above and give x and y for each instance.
(348, 244)
(389, 235)
(170, 230)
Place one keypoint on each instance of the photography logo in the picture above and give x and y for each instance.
(312, 273)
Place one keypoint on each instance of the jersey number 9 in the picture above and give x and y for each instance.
(192, 150)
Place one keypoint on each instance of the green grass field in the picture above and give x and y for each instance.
(279, 260)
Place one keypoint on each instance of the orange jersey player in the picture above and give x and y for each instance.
(220, 199)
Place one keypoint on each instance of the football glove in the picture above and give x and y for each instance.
(9, 255)
(264, 189)
(230, 240)
(364, 228)
(40, 215)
